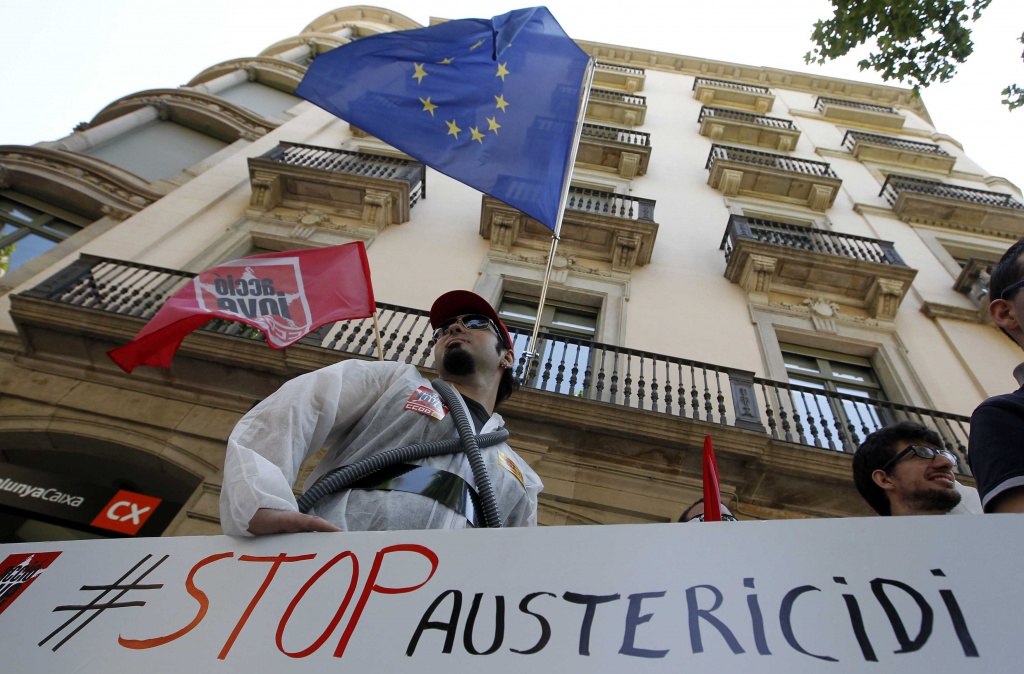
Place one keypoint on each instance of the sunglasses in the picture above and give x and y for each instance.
(923, 452)
(726, 517)
(1010, 289)
(470, 322)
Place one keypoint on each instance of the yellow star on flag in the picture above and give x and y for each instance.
(428, 106)
(452, 129)
(476, 45)
(476, 134)
(420, 73)
(502, 103)
(492, 125)
(446, 61)
(502, 71)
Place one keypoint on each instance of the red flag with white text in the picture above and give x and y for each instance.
(712, 493)
(285, 295)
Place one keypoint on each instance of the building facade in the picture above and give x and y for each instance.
(781, 261)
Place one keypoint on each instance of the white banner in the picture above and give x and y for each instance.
(911, 594)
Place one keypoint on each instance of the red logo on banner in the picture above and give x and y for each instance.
(126, 512)
(18, 571)
(268, 293)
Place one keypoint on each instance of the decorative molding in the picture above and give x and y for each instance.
(189, 108)
(37, 170)
(283, 75)
(824, 314)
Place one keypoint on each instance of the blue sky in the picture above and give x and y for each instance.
(64, 60)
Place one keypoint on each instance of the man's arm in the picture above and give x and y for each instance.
(269, 444)
(996, 453)
(1009, 501)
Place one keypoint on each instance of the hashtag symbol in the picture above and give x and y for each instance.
(97, 606)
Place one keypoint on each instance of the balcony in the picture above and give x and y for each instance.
(859, 113)
(599, 226)
(621, 151)
(616, 107)
(733, 126)
(776, 257)
(927, 202)
(612, 393)
(623, 78)
(736, 171)
(751, 97)
(374, 190)
(889, 150)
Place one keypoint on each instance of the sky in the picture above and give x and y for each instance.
(62, 61)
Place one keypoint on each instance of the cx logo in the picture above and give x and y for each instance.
(126, 512)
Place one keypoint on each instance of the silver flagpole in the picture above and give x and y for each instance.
(588, 79)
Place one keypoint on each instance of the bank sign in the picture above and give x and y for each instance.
(82, 505)
(915, 594)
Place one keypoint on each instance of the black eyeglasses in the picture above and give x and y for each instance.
(922, 451)
(1010, 288)
(469, 321)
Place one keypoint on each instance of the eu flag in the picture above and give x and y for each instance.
(491, 104)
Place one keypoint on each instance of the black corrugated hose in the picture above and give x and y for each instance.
(468, 442)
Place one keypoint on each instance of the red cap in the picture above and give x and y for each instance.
(460, 302)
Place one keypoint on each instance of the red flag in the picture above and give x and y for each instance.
(285, 295)
(712, 494)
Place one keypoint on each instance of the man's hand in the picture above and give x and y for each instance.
(269, 521)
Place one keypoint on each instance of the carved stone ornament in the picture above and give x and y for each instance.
(823, 314)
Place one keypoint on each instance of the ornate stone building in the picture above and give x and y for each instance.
(782, 261)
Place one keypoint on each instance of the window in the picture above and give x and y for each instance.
(26, 233)
(563, 363)
(836, 414)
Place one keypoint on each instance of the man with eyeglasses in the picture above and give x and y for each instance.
(996, 446)
(903, 469)
(358, 409)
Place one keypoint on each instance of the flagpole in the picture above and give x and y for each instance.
(376, 333)
(588, 79)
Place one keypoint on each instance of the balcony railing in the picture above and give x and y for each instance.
(618, 97)
(621, 68)
(611, 204)
(579, 368)
(853, 137)
(841, 421)
(612, 134)
(822, 101)
(770, 160)
(894, 184)
(353, 163)
(739, 86)
(813, 240)
(748, 117)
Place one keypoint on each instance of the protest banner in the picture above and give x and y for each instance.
(852, 595)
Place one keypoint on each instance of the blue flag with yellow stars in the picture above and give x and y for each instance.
(491, 104)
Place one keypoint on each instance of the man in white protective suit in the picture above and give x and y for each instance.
(365, 412)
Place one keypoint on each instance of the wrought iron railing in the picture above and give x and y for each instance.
(748, 117)
(822, 101)
(895, 183)
(621, 68)
(770, 160)
(849, 246)
(752, 88)
(609, 133)
(853, 137)
(841, 421)
(618, 97)
(567, 366)
(609, 203)
(354, 163)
